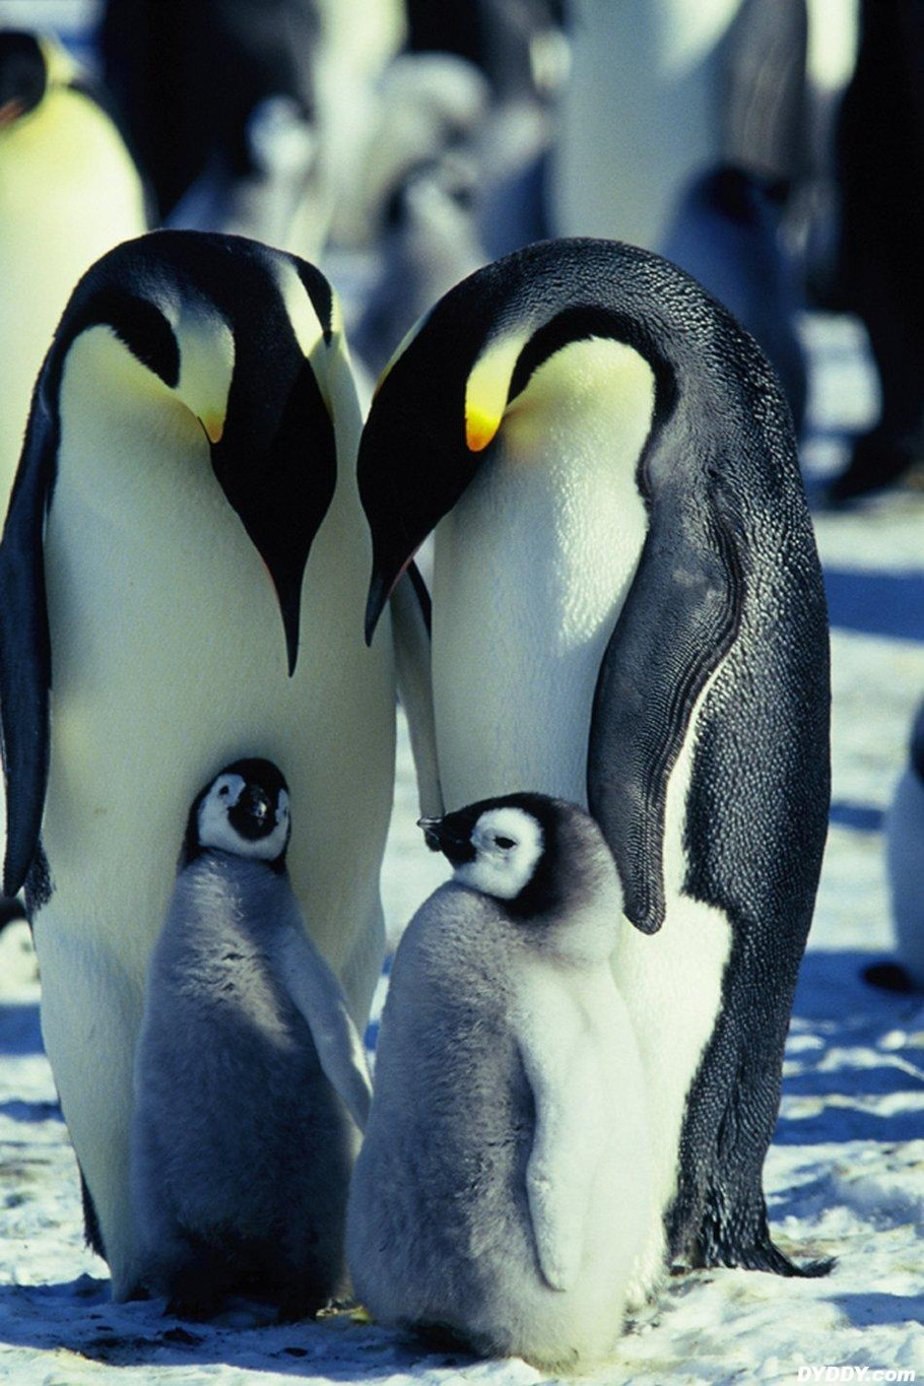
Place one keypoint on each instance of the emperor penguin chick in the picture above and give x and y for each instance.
(250, 1078)
(502, 1191)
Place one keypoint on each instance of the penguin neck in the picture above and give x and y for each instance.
(141, 417)
(531, 570)
(233, 896)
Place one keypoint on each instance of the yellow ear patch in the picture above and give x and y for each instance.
(206, 364)
(488, 387)
(214, 425)
(480, 428)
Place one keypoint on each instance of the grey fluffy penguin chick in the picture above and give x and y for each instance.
(250, 1078)
(502, 1192)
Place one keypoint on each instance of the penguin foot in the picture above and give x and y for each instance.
(761, 1255)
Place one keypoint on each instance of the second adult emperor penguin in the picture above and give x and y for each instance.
(503, 1187)
(247, 1073)
(628, 613)
(184, 570)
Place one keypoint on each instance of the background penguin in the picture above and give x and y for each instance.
(185, 546)
(188, 80)
(69, 191)
(628, 612)
(904, 841)
(728, 233)
(502, 1189)
(247, 1065)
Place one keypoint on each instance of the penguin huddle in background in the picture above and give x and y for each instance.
(628, 613)
(185, 548)
(502, 1190)
(250, 1078)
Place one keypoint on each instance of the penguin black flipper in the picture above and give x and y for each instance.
(672, 634)
(25, 654)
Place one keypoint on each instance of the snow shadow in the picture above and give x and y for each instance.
(79, 1317)
(872, 1308)
(20, 1030)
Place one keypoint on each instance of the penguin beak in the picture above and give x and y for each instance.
(289, 596)
(380, 589)
(253, 815)
(443, 835)
(430, 828)
(429, 428)
(281, 489)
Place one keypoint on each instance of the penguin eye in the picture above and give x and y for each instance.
(505, 843)
(224, 792)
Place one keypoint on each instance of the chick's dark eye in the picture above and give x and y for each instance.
(223, 792)
(505, 843)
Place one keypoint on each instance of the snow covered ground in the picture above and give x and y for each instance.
(845, 1175)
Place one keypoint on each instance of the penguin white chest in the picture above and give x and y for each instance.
(531, 570)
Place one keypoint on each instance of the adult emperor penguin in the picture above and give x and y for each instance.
(247, 1073)
(628, 612)
(502, 1190)
(184, 569)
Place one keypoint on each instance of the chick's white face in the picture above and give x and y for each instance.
(508, 844)
(261, 829)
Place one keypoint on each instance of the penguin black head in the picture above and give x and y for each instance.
(244, 810)
(239, 334)
(23, 74)
(542, 857)
(475, 357)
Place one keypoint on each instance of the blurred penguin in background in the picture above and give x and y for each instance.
(730, 77)
(420, 187)
(521, 48)
(880, 168)
(454, 170)
(904, 843)
(69, 191)
(219, 99)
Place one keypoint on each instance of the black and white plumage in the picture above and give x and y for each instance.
(503, 1187)
(628, 612)
(250, 1078)
(186, 555)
